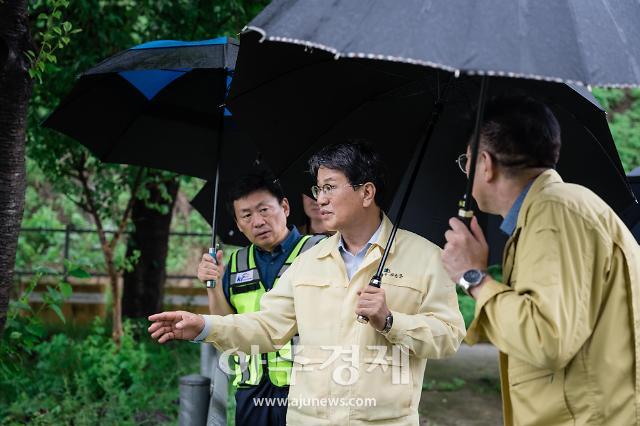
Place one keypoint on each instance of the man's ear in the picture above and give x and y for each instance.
(285, 206)
(368, 194)
(489, 166)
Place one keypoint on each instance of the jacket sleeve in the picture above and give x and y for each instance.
(268, 329)
(437, 330)
(549, 309)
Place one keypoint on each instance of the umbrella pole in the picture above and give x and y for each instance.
(213, 251)
(465, 214)
(376, 280)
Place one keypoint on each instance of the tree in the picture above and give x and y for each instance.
(144, 283)
(15, 91)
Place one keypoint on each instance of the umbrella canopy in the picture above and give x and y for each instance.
(389, 103)
(154, 105)
(590, 42)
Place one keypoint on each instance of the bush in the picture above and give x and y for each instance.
(88, 380)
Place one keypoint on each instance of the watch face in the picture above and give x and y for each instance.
(472, 276)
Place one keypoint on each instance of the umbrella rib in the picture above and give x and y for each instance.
(623, 39)
(604, 151)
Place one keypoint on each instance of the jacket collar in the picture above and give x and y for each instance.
(333, 242)
(539, 183)
(545, 178)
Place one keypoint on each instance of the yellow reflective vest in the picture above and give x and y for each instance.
(246, 290)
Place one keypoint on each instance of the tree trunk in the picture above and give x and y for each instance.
(116, 294)
(144, 285)
(15, 91)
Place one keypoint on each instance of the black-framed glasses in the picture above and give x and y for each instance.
(328, 190)
(462, 162)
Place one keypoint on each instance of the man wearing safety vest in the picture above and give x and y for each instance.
(260, 209)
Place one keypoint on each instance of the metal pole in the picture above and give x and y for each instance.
(213, 250)
(194, 400)
(465, 214)
(376, 280)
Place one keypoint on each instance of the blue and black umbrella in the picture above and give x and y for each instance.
(155, 105)
(159, 105)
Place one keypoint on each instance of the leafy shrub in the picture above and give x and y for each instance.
(70, 378)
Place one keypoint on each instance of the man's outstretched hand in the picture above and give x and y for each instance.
(180, 325)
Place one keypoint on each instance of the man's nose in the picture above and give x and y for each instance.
(322, 199)
(258, 221)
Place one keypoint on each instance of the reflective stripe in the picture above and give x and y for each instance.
(241, 369)
(312, 241)
(242, 260)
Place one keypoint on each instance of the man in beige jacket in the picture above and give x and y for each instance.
(346, 372)
(566, 316)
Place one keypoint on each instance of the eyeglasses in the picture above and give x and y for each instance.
(462, 162)
(328, 190)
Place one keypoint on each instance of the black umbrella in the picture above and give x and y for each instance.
(154, 105)
(159, 105)
(430, 51)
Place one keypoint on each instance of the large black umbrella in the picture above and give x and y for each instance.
(389, 103)
(430, 51)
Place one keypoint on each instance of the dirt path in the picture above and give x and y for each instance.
(463, 390)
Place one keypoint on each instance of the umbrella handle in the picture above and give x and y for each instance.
(213, 252)
(465, 216)
(376, 282)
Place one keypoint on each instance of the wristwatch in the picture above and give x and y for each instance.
(470, 279)
(388, 323)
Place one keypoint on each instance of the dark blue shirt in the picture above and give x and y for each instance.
(268, 263)
(510, 221)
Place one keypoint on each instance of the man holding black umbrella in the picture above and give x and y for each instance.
(260, 210)
(347, 372)
(566, 311)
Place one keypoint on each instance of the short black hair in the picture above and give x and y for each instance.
(359, 162)
(520, 132)
(259, 180)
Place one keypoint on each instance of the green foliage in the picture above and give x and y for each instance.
(24, 330)
(623, 109)
(467, 307)
(53, 33)
(444, 385)
(88, 380)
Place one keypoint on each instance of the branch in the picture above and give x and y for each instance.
(77, 203)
